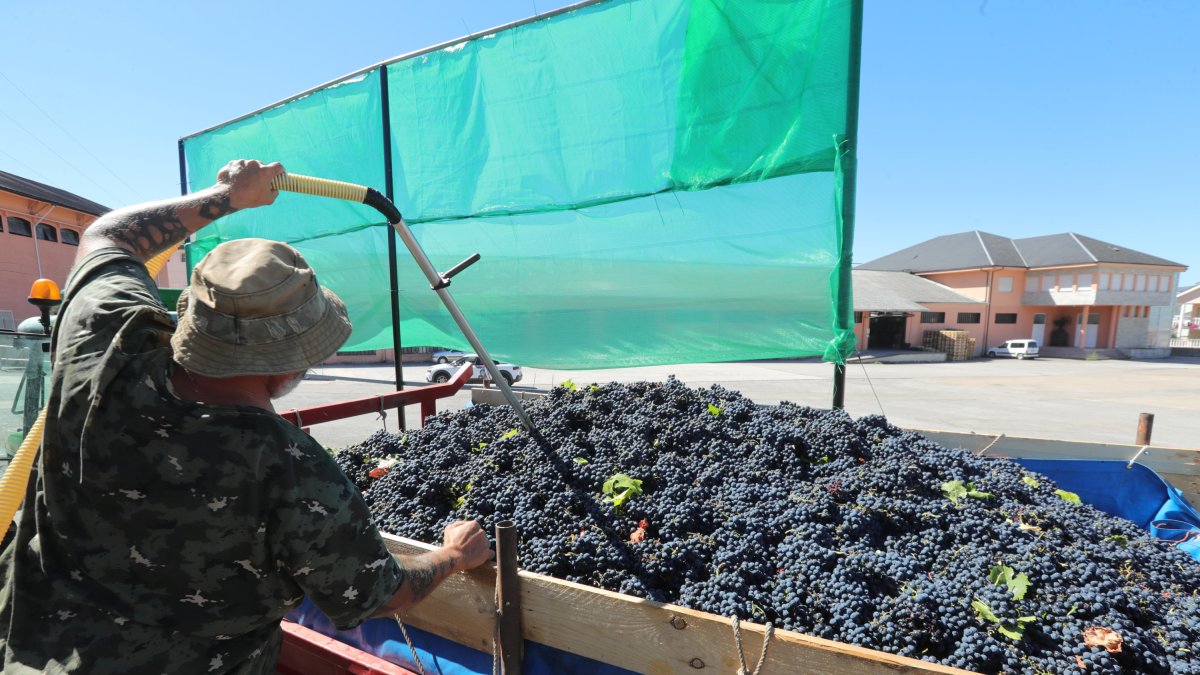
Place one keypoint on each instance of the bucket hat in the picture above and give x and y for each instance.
(254, 307)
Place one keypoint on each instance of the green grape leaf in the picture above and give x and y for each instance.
(1068, 496)
(509, 434)
(1031, 481)
(714, 410)
(580, 460)
(954, 490)
(1019, 586)
(1119, 539)
(983, 611)
(569, 385)
(1001, 574)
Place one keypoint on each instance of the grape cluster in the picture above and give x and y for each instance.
(839, 528)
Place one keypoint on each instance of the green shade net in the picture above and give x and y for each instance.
(648, 182)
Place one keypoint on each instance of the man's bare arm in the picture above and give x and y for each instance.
(465, 547)
(146, 230)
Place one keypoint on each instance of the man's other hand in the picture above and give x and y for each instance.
(467, 540)
(249, 182)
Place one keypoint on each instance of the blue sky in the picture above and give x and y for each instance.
(1013, 117)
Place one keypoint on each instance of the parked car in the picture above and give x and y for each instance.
(443, 373)
(1021, 349)
(447, 355)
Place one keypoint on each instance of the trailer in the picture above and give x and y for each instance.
(569, 627)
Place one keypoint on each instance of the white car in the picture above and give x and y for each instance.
(447, 355)
(444, 373)
(1021, 349)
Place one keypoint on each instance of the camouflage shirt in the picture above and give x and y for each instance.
(161, 535)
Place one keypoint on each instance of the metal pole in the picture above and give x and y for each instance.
(508, 599)
(393, 275)
(1145, 429)
(438, 285)
(839, 386)
(847, 157)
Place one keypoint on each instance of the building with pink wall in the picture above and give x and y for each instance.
(40, 227)
(1064, 290)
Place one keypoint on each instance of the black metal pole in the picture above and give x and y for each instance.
(848, 156)
(183, 186)
(394, 277)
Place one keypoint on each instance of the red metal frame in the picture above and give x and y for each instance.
(426, 396)
(307, 652)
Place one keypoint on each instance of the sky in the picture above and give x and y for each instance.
(1015, 117)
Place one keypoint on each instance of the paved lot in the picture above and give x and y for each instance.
(1049, 398)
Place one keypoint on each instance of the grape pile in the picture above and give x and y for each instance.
(851, 530)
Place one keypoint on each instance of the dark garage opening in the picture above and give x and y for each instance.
(887, 331)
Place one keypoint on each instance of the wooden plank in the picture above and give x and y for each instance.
(636, 634)
(1179, 466)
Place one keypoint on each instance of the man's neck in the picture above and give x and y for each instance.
(248, 390)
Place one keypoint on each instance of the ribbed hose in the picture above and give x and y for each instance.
(16, 476)
(321, 187)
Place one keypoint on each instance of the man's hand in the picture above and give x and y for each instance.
(146, 230)
(248, 182)
(468, 543)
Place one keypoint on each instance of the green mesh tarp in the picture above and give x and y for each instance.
(648, 182)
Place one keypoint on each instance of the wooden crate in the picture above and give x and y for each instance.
(957, 345)
(632, 633)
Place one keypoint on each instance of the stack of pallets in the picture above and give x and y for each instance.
(957, 345)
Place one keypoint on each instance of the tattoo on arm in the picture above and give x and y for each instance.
(145, 233)
(153, 228)
(216, 207)
(423, 577)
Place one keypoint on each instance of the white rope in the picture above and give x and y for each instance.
(411, 648)
(762, 656)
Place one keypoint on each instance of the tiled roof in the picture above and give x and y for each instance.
(876, 291)
(975, 249)
(45, 193)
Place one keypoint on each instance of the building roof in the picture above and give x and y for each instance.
(975, 249)
(876, 291)
(45, 193)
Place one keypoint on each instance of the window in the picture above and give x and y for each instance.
(968, 317)
(1039, 319)
(933, 317)
(69, 237)
(1104, 281)
(1085, 280)
(1033, 344)
(1141, 282)
(858, 317)
(1166, 284)
(1005, 285)
(19, 226)
(47, 232)
(1066, 281)
(1006, 318)
(1127, 282)
(6, 320)
(1030, 283)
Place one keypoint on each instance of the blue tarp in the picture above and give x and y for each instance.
(1136, 493)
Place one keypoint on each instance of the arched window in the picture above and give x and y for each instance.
(47, 232)
(69, 237)
(19, 227)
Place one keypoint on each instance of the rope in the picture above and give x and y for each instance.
(411, 648)
(870, 383)
(995, 440)
(496, 630)
(762, 656)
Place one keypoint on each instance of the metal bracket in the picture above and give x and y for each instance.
(444, 279)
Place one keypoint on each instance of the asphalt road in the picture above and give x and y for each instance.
(1048, 398)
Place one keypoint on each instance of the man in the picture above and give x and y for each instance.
(174, 518)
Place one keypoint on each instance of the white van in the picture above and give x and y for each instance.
(1022, 349)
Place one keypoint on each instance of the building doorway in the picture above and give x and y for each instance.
(1039, 329)
(887, 330)
(1093, 330)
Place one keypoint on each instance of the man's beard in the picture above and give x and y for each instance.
(287, 387)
